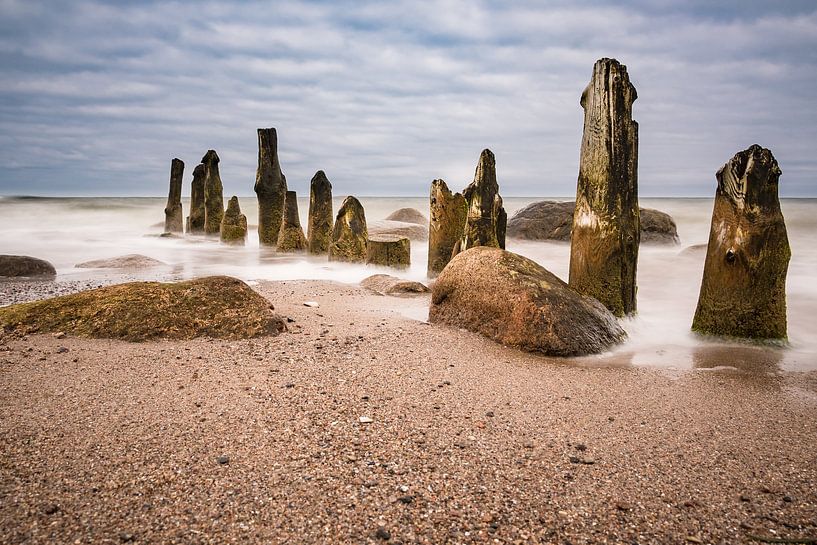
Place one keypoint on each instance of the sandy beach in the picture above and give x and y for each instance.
(361, 425)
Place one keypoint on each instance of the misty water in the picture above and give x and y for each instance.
(67, 231)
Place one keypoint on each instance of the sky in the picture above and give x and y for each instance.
(96, 97)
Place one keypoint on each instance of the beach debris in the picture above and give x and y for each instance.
(215, 306)
(174, 215)
(24, 265)
(349, 234)
(485, 222)
(233, 224)
(408, 215)
(385, 284)
(270, 187)
(291, 236)
(516, 302)
(553, 220)
(389, 251)
(365, 420)
(743, 291)
(448, 214)
(128, 261)
(319, 227)
(213, 194)
(195, 221)
(311, 304)
(606, 225)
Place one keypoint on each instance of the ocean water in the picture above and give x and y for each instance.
(67, 231)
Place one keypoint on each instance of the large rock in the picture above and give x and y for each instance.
(319, 228)
(743, 291)
(448, 212)
(271, 188)
(553, 220)
(485, 211)
(23, 265)
(129, 261)
(411, 231)
(195, 221)
(174, 216)
(606, 229)
(388, 251)
(291, 236)
(349, 234)
(233, 228)
(408, 215)
(216, 306)
(385, 284)
(213, 194)
(516, 302)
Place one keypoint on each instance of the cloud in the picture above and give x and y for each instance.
(96, 97)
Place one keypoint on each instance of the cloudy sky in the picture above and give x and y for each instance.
(97, 97)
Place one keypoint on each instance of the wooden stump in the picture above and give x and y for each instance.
(447, 214)
(271, 188)
(389, 251)
(319, 228)
(291, 236)
(213, 194)
(174, 216)
(233, 227)
(195, 221)
(349, 234)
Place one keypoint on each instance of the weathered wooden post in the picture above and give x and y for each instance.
(234, 224)
(349, 234)
(319, 228)
(213, 194)
(195, 221)
(446, 224)
(291, 236)
(271, 188)
(174, 215)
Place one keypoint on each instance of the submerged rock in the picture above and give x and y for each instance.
(743, 291)
(216, 306)
(408, 215)
(213, 194)
(23, 265)
(129, 261)
(411, 231)
(448, 213)
(484, 206)
(349, 234)
(385, 284)
(233, 228)
(174, 215)
(319, 228)
(195, 221)
(606, 227)
(291, 236)
(388, 251)
(271, 188)
(514, 301)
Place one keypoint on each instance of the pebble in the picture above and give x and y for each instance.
(62, 350)
(311, 304)
(382, 533)
(223, 459)
(365, 420)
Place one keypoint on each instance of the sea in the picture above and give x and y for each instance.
(68, 231)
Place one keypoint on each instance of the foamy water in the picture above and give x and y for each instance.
(67, 231)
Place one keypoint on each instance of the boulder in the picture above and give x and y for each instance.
(233, 228)
(606, 229)
(695, 250)
(484, 206)
(129, 261)
(195, 221)
(291, 236)
(408, 215)
(349, 234)
(743, 290)
(319, 228)
(388, 251)
(553, 220)
(174, 215)
(23, 265)
(271, 188)
(213, 194)
(411, 231)
(385, 284)
(216, 306)
(516, 302)
(448, 213)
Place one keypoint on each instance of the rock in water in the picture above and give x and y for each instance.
(128, 261)
(388, 251)
(234, 224)
(23, 265)
(484, 206)
(213, 194)
(411, 231)
(384, 284)
(408, 215)
(606, 224)
(216, 306)
(743, 291)
(195, 221)
(446, 225)
(291, 236)
(174, 216)
(516, 302)
(271, 188)
(657, 227)
(349, 235)
(320, 214)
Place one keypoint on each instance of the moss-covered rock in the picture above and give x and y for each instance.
(234, 224)
(385, 284)
(216, 306)
(349, 234)
(23, 265)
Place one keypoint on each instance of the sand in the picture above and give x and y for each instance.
(269, 441)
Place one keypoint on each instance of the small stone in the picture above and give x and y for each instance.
(126, 537)
(490, 414)
(51, 508)
(223, 459)
(744, 497)
(574, 460)
(588, 461)
(311, 304)
(59, 335)
(382, 533)
(787, 499)
(289, 385)
(365, 420)
(407, 499)
(62, 350)
(581, 447)
(622, 506)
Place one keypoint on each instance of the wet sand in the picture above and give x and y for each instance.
(469, 442)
